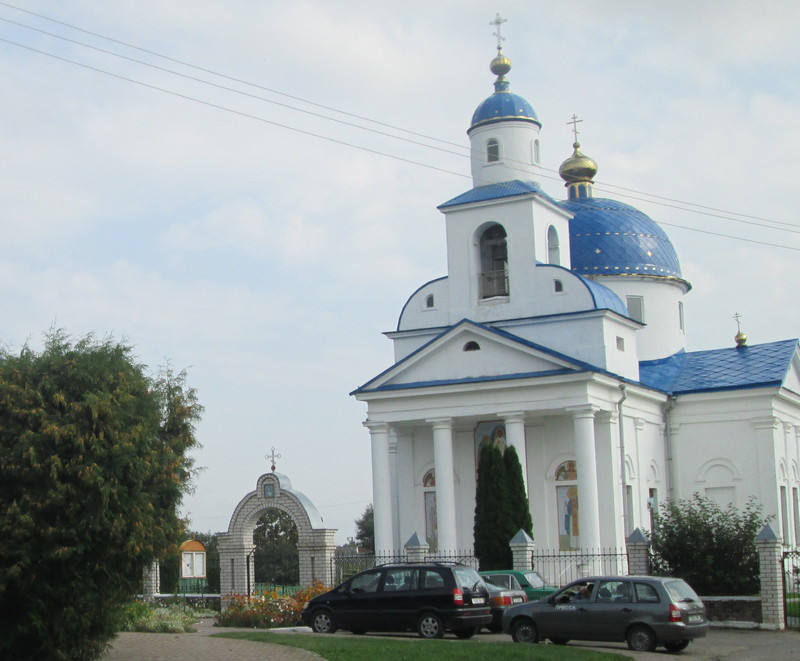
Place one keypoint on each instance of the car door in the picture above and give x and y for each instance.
(564, 615)
(611, 610)
(357, 610)
(395, 603)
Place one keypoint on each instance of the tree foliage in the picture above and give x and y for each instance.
(93, 464)
(501, 506)
(711, 547)
(276, 558)
(365, 529)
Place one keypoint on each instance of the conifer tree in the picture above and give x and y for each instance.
(519, 508)
(491, 524)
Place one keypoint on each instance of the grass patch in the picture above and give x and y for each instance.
(358, 648)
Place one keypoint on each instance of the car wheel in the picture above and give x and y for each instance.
(559, 641)
(323, 622)
(465, 632)
(641, 639)
(430, 625)
(524, 631)
(676, 647)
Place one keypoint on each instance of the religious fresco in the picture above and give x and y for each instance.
(568, 511)
(431, 523)
(493, 431)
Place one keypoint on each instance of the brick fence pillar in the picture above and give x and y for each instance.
(522, 548)
(416, 550)
(770, 558)
(638, 560)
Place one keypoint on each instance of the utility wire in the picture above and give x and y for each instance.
(342, 142)
(355, 116)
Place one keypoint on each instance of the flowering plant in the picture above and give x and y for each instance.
(268, 609)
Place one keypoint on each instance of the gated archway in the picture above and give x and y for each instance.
(315, 544)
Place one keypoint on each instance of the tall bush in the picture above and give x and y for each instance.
(93, 464)
(711, 547)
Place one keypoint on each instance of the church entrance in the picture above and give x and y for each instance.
(275, 539)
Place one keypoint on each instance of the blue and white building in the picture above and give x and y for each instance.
(559, 328)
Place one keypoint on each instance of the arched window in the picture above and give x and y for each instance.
(553, 246)
(492, 150)
(567, 503)
(558, 286)
(429, 495)
(494, 262)
(472, 346)
(537, 155)
(429, 301)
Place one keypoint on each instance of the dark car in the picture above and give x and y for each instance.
(428, 598)
(500, 600)
(644, 611)
(529, 580)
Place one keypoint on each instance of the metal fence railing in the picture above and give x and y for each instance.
(561, 567)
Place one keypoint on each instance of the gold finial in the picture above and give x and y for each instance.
(500, 65)
(740, 338)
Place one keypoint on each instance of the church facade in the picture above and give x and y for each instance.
(559, 329)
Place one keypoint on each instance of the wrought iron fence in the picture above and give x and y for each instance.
(344, 566)
(791, 588)
(562, 567)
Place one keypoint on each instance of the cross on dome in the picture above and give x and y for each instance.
(574, 121)
(272, 456)
(498, 22)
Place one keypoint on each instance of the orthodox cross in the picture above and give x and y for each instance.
(497, 22)
(272, 456)
(737, 316)
(574, 121)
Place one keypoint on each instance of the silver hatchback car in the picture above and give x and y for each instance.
(644, 611)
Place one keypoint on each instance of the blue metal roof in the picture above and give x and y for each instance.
(604, 298)
(503, 106)
(757, 366)
(613, 238)
(498, 191)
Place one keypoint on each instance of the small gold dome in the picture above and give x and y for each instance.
(500, 65)
(741, 339)
(578, 167)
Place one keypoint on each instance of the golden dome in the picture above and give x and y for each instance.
(578, 167)
(500, 65)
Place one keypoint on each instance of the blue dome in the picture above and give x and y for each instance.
(503, 106)
(607, 237)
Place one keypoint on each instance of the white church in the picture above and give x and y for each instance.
(559, 329)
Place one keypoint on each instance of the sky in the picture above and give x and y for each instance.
(247, 189)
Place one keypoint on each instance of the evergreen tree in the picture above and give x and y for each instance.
(365, 529)
(93, 464)
(519, 508)
(491, 525)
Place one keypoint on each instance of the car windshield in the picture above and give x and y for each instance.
(534, 579)
(680, 591)
(467, 578)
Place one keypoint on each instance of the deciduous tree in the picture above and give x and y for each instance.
(93, 464)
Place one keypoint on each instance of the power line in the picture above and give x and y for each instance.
(679, 205)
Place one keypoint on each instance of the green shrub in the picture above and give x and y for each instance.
(712, 548)
(172, 618)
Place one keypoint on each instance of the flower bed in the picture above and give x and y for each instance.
(267, 609)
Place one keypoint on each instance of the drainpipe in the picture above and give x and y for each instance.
(623, 478)
(668, 444)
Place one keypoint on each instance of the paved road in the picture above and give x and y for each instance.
(719, 645)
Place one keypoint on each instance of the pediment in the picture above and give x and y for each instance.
(792, 379)
(472, 352)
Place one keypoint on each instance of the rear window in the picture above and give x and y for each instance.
(680, 592)
(502, 580)
(467, 578)
(534, 579)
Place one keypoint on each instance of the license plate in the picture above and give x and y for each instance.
(477, 600)
(695, 618)
(516, 600)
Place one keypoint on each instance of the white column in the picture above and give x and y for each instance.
(445, 484)
(515, 436)
(381, 487)
(586, 459)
